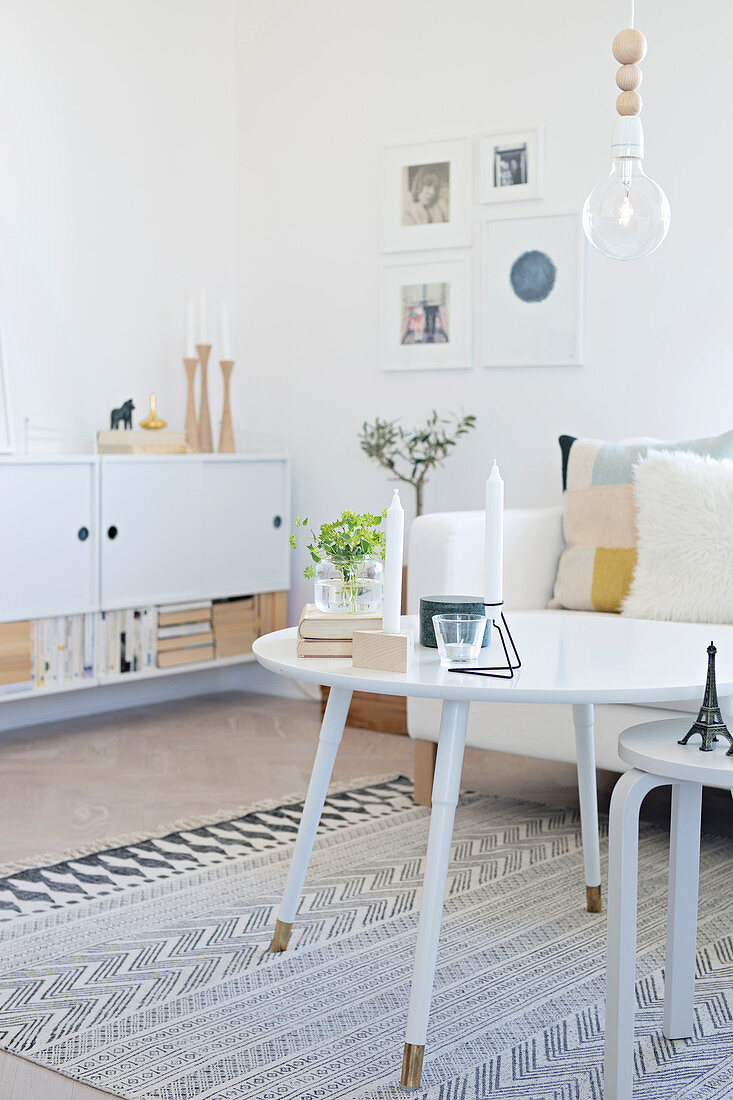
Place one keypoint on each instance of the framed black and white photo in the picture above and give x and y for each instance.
(426, 319)
(510, 165)
(532, 292)
(426, 196)
(7, 442)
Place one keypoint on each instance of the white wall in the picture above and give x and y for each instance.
(324, 85)
(116, 193)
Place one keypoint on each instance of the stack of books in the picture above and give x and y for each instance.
(121, 441)
(124, 641)
(236, 626)
(185, 634)
(16, 657)
(321, 634)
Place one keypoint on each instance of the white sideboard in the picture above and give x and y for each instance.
(90, 533)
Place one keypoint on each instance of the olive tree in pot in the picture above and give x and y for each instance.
(410, 454)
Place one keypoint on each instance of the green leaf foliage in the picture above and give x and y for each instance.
(347, 540)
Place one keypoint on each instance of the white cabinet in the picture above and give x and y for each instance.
(151, 531)
(82, 534)
(246, 527)
(48, 537)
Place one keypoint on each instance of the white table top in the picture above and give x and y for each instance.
(652, 747)
(567, 657)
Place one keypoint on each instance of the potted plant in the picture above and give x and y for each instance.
(411, 453)
(347, 557)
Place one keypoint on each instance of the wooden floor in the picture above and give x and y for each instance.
(93, 780)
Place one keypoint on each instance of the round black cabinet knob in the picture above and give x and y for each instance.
(277, 521)
(83, 534)
(112, 532)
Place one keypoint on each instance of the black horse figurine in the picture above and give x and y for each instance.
(124, 414)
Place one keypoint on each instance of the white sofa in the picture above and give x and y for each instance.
(446, 555)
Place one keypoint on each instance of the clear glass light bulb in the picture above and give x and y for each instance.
(626, 215)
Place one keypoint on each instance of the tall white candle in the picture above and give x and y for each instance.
(190, 342)
(226, 343)
(203, 319)
(494, 561)
(395, 534)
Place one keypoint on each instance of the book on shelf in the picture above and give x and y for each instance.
(181, 630)
(188, 656)
(122, 441)
(172, 615)
(185, 641)
(236, 625)
(320, 625)
(16, 656)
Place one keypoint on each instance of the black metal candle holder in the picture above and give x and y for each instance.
(513, 664)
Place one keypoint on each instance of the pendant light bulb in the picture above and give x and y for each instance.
(626, 216)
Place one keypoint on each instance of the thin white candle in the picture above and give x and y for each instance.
(395, 534)
(494, 561)
(226, 343)
(203, 320)
(190, 343)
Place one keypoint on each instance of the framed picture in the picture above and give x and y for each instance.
(426, 311)
(7, 441)
(426, 196)
(510, 165)
(532, 292)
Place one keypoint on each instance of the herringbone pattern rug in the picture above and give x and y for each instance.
(144, 970)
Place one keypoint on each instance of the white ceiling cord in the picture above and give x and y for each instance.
(631, 24)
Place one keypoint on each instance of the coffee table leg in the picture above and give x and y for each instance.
(684, 874)
(332, 728)
(586, 761)
(448, 766)
(623, 854)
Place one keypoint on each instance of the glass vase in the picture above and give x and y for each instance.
(349, 587)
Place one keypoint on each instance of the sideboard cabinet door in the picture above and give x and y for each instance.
(48, 538)
(150, 531)
(246, 526)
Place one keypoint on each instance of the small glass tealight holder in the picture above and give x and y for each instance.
(459, 637)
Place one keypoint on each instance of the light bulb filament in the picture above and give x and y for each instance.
(627, 211)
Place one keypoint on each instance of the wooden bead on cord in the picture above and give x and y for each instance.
(629, 78)
(629, 103)
(629, 47)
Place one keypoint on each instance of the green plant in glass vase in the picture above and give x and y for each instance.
(347, 558)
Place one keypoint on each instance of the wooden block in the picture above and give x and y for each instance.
(383, 652)
(382, 713)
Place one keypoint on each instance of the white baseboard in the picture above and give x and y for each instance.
(109, 697)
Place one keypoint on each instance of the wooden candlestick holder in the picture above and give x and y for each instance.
(226, 435)
(383, 652)
(205, 441)
(192, 428)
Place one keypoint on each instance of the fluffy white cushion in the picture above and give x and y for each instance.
(685, 552)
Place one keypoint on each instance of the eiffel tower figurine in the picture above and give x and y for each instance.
(709, 721)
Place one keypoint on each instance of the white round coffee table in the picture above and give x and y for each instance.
(567, 657)
(656, 759)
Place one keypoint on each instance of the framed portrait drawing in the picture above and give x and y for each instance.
(426, 311)
(426, 196)
(511, 165)
(7, 442)
(532, 292)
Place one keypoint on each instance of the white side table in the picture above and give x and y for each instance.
(656, 760)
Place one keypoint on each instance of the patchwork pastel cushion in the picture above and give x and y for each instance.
(599, 517)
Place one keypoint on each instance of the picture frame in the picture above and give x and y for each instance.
(7, 436)
(426, 195)
(532, 291)
(426, 315)
(511, 165)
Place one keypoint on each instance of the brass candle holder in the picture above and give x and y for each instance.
(204, 421)
(226, 435)
(192, 428)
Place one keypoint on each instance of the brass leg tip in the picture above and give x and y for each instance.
(593, 899)
(412, 1066)
(281, 936)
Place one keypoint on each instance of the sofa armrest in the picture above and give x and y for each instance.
(446, 556)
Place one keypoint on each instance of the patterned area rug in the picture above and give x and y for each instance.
(144, 970)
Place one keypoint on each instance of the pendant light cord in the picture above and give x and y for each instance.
(631, 24)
